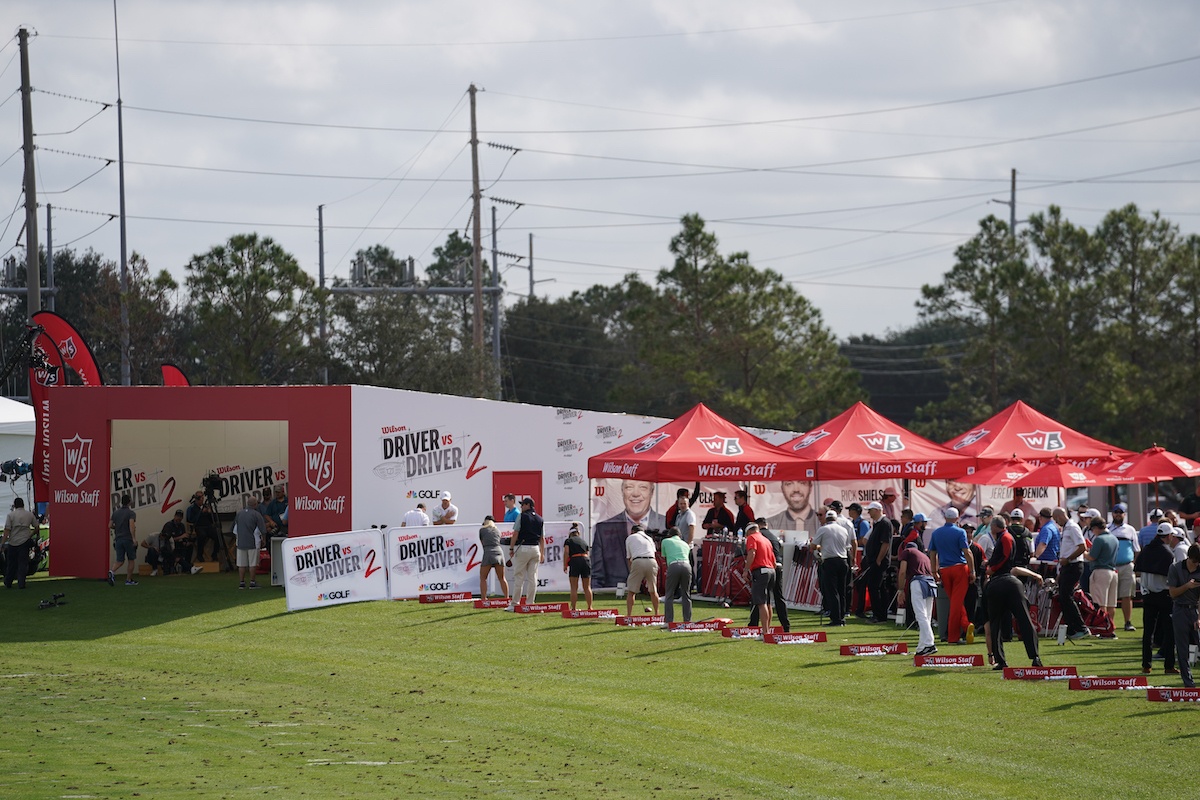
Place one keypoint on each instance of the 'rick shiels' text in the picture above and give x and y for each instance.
(430, 554)
(418, 453)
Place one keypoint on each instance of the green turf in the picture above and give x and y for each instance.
(187, 687)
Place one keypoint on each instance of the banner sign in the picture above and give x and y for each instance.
(1160, 695)
(891, 648)
(334, 568)
(948, 661)
(495, 602)
(438, 559)
(1128, 682)
(695, 627)
(598, 613)
(445, 597)
(1039, 673)
(540, 608)
(639, 621)
(748, 632)
(811, 637)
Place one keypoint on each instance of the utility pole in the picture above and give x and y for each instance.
(125, 378)
(495, 304)
(32, 270)
(50, 256)
(531, 266)
(1012, 205)
(476, 235)
(321, 286)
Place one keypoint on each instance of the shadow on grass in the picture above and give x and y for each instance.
(676, 649)
(95, 610)
(1170, 708)
(1091, 701)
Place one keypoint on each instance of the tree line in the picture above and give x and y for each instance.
(1100, 329)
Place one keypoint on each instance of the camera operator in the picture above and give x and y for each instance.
(18, 530)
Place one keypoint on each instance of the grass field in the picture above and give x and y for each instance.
(187, 687)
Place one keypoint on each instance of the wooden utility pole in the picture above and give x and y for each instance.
(32, 270)
(476, 244)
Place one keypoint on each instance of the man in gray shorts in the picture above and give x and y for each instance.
(249, 527)
(124, 528)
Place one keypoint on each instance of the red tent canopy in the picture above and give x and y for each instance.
(698, 446)
(860, 444)
(1023, 432)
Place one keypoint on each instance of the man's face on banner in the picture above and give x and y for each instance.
(636, 496)
(797, 494)
(960, 494)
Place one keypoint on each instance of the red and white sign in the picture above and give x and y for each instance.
(890, 648)
(799, 637)
(748, 632)
(492, 603)
(1094, 684)
(333, 569)
(540, 608)
(975, 660)
(1039, 673)
(695, 627)
(445, 597)
(596, 613)
(1185, 695)
(638, 621)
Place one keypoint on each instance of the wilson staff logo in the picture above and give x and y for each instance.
(971, 438)
(882, 442)
(721, 445)
(650, 442)
(77, 459)
(810, 439)
(318, 463)
(1047, 441)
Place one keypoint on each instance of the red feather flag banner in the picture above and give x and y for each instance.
(173, 376)
(73, 348)
(45, 370)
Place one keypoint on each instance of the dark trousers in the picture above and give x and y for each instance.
(1183, 622)
(164, 559)
(184, 553)
(781, 609)
(1156, 626)
(1068, 579)
(1005, 595)
(833, 587)
(16, 564)
(205, 534)
(821, 586)
(879, 603)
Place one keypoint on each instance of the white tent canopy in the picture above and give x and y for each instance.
(16, 430)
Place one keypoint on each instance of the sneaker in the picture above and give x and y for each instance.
(998, 668)
(1108, 636)
(197, 570)
(253, 585)
(242, 585)
(509, 607)
(112, 579)
(1129, 626)
(1077, 635)
(1037, 662)
(131, 583)
(153, 573)
(1171, 671)
(927, 651)
(1146, 670)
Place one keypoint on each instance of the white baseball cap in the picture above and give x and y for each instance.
(875, 505)
(445, 495)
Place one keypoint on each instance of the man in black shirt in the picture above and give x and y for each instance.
(875, 561)
(719, 516)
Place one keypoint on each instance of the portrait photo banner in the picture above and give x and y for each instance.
(446, 558)
(330, 569)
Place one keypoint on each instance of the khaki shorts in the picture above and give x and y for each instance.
(643, 569)
(247, 558)
(1124, 581)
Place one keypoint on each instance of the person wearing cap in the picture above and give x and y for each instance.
(952, 563)
(491, 557)
(1070, 570)
(416, 518)
(1082, 514)
(1147, 534)
(526, 550)
(917, 589)
(836, 546)
(1127, 550)
(1152, 565)
(511, 512)
(887, 499)
(609, 565)
(983, 535)
(578, 566)
(446, 513)
(760, 572)
(781, 609)
(916, 532)
(1189, 507)
(1183, 583)
(874, 565)
(1102, 554)
(643, 567)
(1178, 542)
(1049, 538)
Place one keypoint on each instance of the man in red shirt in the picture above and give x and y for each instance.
(745, 514)
(760, 572)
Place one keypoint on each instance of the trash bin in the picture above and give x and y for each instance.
(943, 613)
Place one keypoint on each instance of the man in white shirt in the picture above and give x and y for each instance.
(416, 518)
(643, 566)
(1070, 570)
(836, 546)
(445, 514)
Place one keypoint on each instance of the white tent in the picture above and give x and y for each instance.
(16, 430)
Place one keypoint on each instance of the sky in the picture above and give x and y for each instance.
(850, 146)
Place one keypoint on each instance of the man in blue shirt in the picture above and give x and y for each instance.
(1045, 546)
(951, 561)
(510, 508)
(1147, 534)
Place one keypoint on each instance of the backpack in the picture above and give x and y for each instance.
(1022, 546)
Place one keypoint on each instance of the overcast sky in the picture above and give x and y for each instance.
(848, 145)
